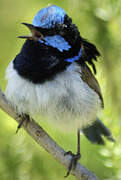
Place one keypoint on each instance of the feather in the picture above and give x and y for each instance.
(95, 132)
(89, 78)
(89, 53)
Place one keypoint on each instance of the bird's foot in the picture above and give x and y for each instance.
(23, 118)
(73, 162)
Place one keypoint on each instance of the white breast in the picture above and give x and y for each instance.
(66, 99)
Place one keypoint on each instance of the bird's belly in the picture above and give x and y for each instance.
(66, 100)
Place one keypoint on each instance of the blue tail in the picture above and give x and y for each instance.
(96, 131)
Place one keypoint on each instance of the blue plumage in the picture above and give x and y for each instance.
(56, 41)
(75, 58)
(49, 16)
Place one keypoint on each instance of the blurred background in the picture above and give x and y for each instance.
(99, 22)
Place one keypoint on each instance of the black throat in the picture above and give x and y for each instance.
(38, 63)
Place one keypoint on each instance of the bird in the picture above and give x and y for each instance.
(52, 76)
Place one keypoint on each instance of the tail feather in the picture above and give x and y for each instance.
(96, 131)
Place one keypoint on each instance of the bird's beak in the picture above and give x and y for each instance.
(35, 33)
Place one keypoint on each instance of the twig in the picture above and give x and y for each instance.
(44, 140)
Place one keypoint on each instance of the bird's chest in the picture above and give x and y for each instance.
(64, 98)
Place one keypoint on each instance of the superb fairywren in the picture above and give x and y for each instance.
(51, 77)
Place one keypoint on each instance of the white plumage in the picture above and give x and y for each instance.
(67, 99)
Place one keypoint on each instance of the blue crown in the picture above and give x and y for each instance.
(49, 16)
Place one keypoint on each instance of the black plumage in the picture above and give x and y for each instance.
(38, 62)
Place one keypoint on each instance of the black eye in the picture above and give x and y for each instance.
(64, 25)
(61, 26)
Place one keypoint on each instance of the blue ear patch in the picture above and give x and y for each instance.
(56, 41)
(75, 58)
(49, 16)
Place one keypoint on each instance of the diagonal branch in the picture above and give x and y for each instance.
(44, 140)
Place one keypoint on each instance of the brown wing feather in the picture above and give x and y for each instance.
(89, 78)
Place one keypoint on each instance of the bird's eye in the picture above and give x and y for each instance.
(61, 26)
(64, 25)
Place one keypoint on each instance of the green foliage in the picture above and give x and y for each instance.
(99, 21)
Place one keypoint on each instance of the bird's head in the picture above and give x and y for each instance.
(53, 27)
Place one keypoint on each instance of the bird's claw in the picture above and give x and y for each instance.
(73, 162)
(23, 118)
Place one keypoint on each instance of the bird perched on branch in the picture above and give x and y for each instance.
(51, 77)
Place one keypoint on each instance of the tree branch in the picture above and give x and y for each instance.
(44, 140)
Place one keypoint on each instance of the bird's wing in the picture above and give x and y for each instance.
(89, 53)
(89, 78)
